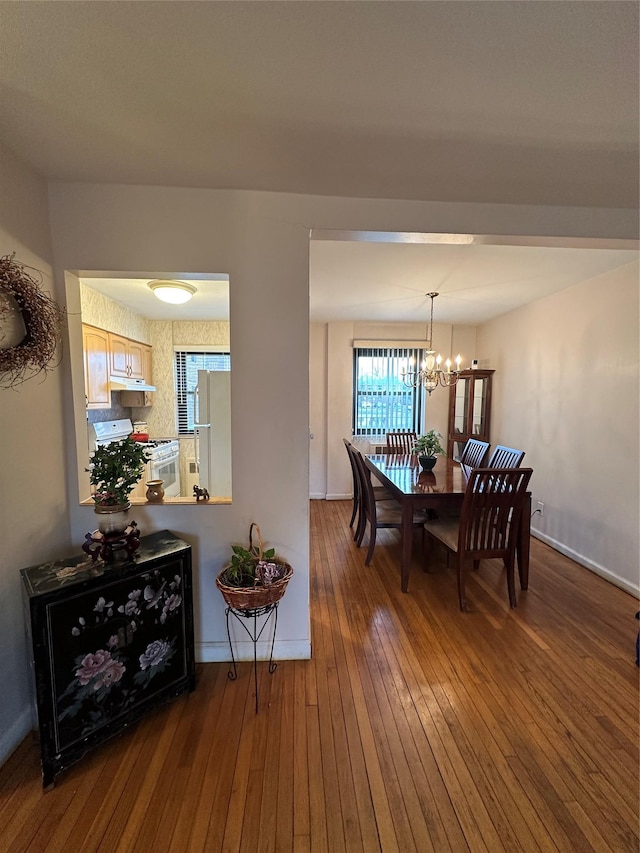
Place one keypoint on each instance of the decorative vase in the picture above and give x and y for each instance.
(155, 492)
(427, 462)
(112, 520)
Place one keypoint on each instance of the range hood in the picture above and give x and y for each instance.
(120, 383)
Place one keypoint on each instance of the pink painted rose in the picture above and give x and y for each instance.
(92, 665)
(111, 674)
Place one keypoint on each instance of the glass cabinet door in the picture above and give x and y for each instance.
(469, 409)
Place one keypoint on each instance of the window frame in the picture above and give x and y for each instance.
(390, 353)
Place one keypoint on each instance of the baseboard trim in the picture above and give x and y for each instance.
(12, 738)
(218, 652)
(594, 567)
(317, 496)
(339, 497)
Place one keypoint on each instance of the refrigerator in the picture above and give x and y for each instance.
(212, 430)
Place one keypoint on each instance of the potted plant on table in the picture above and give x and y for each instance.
(427, 448)
(114, 470)
(254, 577)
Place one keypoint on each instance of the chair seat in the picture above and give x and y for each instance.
(445, 529)
(389, 512)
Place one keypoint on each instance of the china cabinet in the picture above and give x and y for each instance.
(108, 642)
(469, 410)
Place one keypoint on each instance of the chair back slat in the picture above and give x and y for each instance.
(505, 457)
(401, 442)
(474, 453)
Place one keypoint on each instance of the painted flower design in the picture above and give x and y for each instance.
(152, 597)
(154, 654)
(101, 604)
(111, 674)
(92, 665)
(131, 605)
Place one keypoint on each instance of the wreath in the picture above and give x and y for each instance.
(23, 302)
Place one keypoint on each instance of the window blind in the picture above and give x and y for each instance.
(187, 365)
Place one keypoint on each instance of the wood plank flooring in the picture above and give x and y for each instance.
(413, 728)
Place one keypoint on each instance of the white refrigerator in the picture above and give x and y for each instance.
(212, 429)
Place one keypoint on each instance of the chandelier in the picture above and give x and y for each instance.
(431, 374)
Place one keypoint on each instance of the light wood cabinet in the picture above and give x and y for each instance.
(106, 354)
(127, 357)
(469, 410)
(95, 347)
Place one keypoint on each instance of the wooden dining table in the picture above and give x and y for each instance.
(441, 489)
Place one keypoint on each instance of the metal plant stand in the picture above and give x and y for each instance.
(243, 616)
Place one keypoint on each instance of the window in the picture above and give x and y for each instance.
(381, 400)
(187, 366)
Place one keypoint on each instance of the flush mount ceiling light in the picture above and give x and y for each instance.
(175, 292)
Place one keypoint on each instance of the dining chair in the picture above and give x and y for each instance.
(401, 442)
(380, 492)
(356, 484)
(488, 524)
(474, 453)
(379, 513)
(505, 457)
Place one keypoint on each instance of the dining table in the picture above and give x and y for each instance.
(441, 489)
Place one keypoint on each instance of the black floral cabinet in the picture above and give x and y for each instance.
(108, 643)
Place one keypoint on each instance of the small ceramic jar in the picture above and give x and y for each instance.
(155, 492)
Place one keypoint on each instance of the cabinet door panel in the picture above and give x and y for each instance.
(118, 349)
(136, 360)
(114, 648)
(95, 344)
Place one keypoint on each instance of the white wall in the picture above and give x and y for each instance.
(566, 391)
(34, 517)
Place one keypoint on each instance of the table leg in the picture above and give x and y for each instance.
(407, 541)
(524, 543)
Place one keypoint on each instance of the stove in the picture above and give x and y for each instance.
(163, 453)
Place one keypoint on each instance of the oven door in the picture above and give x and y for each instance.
(167, 470)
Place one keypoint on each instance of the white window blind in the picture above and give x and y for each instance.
(381, 400)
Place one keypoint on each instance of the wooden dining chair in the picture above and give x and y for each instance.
(474, 453)
(380, 493)
(401, 442)
(505, 457)
(379, 513)
(488, 524)
(356, 483)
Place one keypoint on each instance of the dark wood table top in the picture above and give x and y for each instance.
(404, 476)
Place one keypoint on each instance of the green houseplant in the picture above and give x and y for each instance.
(114, 469)
(254, 577)
(427, 448)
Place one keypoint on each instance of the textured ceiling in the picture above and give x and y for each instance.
(521, 102)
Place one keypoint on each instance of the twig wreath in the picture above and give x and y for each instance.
(22, 302)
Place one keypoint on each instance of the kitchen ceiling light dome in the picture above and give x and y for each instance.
(175, 292)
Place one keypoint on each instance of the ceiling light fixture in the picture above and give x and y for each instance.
(175, 292)
(430, 374)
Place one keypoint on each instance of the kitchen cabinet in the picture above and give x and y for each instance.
(127, 357)
(95, 347)
(107, 644)
(469, 410)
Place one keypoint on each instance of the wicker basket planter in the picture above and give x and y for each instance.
(264, 591)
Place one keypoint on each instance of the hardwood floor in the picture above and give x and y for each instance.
(415, 727)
